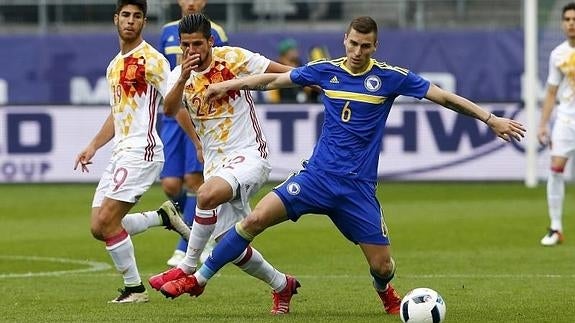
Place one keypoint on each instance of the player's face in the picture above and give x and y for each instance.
(568, 24)
(130, 21)
(192, 6)
(358, 49)
(196, 43)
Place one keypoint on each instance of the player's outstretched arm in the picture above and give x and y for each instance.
(504, 128)
(260, 82)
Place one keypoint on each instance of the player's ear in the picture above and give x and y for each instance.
(116, 19)
(344, 38)
(211, 41)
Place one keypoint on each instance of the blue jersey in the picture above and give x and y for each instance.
(170, 40)
(356, 109)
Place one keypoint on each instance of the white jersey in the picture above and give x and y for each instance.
(231, 123)
(562, 74)
(136, 81)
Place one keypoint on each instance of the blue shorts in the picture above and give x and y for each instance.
(179, 151)
(351, 204)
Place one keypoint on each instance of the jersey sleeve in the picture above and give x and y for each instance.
(413, 85)
(173, 77)
(555, 76)
(108, 77)
(160, 72)
(305, 75)
(254, 63)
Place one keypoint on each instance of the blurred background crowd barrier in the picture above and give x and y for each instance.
(237, 15)
(55, 52)
(61, 48)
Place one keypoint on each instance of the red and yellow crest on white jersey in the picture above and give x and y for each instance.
(136, 81)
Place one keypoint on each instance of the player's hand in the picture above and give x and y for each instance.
(84, 159)
(543, 135)
(189, 63)
(215, 91)
(506, 129)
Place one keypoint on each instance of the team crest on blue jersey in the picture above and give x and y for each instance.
(293, 188)
(372, 83)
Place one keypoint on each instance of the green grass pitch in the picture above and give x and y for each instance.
(477, 244)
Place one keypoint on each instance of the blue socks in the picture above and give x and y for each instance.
(181, 199)
(227, 249)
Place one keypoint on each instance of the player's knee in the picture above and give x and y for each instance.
(97, 232)
(194, 181)
(254, 224)
(171, 190)
(205, 199)
(102, 223)
(210, 196)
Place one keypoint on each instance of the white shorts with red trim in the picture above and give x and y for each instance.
(126, 178)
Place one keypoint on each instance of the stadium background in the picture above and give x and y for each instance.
(477, 243)
(53, 93)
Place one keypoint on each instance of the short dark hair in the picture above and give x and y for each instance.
(364, 25)
(569, 6)
(193, 23)
(142, 4)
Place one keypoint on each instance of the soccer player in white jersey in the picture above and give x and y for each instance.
(181, 165)
(234, 151)
(136, 76)
(560, 87)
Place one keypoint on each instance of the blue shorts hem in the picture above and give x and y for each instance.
(289, 210)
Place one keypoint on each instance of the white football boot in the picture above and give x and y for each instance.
(552, 238)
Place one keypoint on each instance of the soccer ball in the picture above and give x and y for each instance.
(422, 305)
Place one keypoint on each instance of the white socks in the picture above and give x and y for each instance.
(202, 229)
(136, 223)
(555, 197)
(121, 250)
(253, 263)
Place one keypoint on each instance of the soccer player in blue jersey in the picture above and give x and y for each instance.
(340, 178)
(182, 165)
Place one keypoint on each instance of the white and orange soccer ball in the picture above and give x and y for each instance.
(422, 305)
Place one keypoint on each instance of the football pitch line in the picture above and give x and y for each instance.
(92, 266)
(95, 268)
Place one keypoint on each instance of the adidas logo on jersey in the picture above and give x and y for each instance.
(334, 80)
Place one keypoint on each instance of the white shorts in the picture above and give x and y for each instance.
(563, 137)
(246, 172)
(126, 179)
